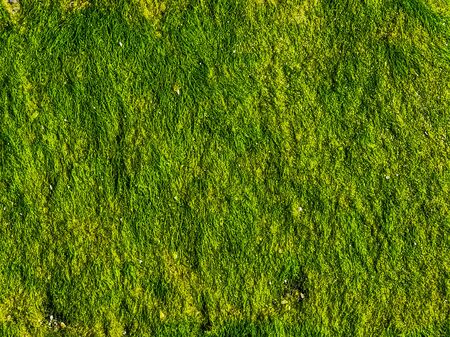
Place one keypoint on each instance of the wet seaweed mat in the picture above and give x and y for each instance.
(224, 168)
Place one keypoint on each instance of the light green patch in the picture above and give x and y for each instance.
(297, 209)
(187, 284)
(439, 6)
(23, 307)
(13, 8)
(264, 2)
(152, 10)
(301, 12)
(74, 5)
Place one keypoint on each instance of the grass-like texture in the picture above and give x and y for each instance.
(225, 168)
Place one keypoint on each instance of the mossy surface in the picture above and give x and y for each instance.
(224, 168)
